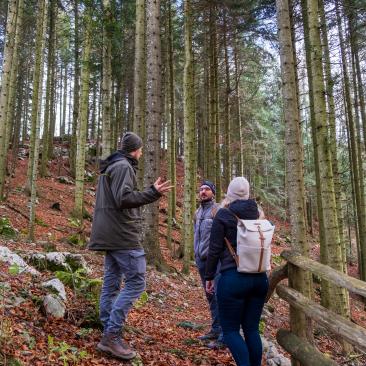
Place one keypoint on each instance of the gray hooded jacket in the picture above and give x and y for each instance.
(202, 228)
(117, 221)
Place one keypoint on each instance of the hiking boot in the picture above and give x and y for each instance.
(217, 344)
(116, 346)
(209, 336)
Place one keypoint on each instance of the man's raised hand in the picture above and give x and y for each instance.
(161, 186)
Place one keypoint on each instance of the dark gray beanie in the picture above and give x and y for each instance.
(130, 142)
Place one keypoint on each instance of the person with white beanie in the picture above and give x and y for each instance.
(240, 296)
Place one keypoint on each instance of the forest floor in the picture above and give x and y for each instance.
(162, 329)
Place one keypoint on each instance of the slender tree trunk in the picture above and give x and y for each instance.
(153, 128)
(211, 148)
(189, 138)
(76, 97)
(332, 129)
(300, 280)
(353, 147)
(171, 151)
(64, 102)
(83, 123)
(14, 74)
(226, 151)
(139, 97)
(239, 170)
(107, 83)
(53, 97)
(338, 296)
(359, 105)
(36, 110)
(6, 86)
(49, 89)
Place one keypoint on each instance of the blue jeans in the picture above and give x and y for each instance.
(211, 298)
(115, 303)
(240, 298)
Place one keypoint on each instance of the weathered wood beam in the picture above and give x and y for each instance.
(336, 324)
(301, 350)
(276, 276)
(341, 279)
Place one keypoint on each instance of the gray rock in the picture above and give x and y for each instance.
(272, 351)
(54, 306)
(58, 261)
(277, 360)
(285, 361)
(271, 362)
(265, 344)
(6, 255)
(57, 286)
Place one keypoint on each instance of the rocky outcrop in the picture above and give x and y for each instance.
(7, 256)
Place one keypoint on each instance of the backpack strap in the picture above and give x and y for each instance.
(261, 238)
(229, 245)
(232, 251)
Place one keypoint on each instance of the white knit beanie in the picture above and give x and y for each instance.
(238, 189)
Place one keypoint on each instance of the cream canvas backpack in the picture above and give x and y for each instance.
(253, 251)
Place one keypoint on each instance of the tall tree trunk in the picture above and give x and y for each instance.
(171, 151)
(153, 126)
(36, 110)
(323, 249)
(139, 97)
(332, 129)
(14, 74)
(76, 96)
(5, 86)
(49, 89)
(189, 138)
(211, 148)
(359, 103)
(226, 151)
(239, 170)
(64, 102)
(83, 123)
(107, 82)
(300, 280)
(53, 96)
(338, 296)
(353, 147)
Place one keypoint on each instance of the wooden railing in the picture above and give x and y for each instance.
(299, 348)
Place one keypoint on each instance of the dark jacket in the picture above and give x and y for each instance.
(117, 222)
(202, 228)
(225, 225)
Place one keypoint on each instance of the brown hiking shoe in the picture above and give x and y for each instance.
(117, 347)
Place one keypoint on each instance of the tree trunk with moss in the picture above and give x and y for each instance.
(5, 91)
(51, 65)
(171, 151)
(139, 84)
(153, 129)
(189, 138)
(83, 123)
(356, 133)
(211, 141)
(299, 280)
(227, 162)
(107, 82)
(76, 97)
(332, 129)
(36, 110)
(338, 300)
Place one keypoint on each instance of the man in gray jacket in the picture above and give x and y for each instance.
(116, 229)
(202, 230)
